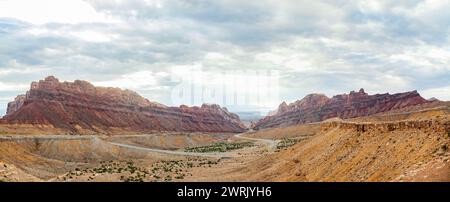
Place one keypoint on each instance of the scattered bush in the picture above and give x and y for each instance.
(136, 174)
(220, 147)
(286, 142)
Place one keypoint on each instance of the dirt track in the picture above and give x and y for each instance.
(226, 154)
(270, 144)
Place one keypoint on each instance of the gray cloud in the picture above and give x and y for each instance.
(319, 46)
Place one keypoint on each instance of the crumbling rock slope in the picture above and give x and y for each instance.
(403, 150)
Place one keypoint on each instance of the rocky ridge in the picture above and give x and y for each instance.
(80, 107)
(318, 107)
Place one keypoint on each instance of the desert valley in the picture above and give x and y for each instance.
(74, 131)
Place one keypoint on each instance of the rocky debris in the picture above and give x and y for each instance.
(10, 173)
(318, 107)
(79, 106)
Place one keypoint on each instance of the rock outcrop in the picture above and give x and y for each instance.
(16, 104)
(441, 126)
(79, 106)
(318, 107)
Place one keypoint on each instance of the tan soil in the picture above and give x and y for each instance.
(335, 150)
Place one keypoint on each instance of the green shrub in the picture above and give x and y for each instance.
(220, 147)
(286, 142)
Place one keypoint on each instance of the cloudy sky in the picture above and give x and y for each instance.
(327, 46)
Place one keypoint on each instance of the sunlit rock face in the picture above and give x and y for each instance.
(78, 106)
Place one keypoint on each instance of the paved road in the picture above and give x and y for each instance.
(269, 144)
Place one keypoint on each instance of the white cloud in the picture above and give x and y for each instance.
(138, 80)
(425, 59)
(93, 36)
(318, 46)
(85, 35)
(51, 11)
(13, 87)
(442, 93)
(15, 68)
(20, 70)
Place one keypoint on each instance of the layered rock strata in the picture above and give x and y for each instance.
(79, 106)
(318, 107)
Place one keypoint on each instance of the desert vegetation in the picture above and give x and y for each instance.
(176, 170)
(220, 147)
(287, 142)
(128, 171)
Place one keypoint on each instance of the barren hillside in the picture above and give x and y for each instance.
(369, 151)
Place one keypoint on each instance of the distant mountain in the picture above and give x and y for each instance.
(249, 117)
(318, 107)
(433, 99)
(79, 107)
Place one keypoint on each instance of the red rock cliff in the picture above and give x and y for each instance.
(79, 105)
(318, 107)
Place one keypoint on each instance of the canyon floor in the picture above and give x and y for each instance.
(396, 146)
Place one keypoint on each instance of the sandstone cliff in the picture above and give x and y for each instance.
(16, 104)
(80, 107)
(318, 107)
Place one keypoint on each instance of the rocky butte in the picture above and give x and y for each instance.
(81, 108)
(318, 107)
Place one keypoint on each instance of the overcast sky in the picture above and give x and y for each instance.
(327, 46)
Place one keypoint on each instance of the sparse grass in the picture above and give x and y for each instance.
(167, 168)
(220, 147)
(178, 170)
(131, 172)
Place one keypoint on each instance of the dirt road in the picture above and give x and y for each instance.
(213, 155)
(270, 145)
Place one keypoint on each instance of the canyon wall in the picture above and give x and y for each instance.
(16, 104)
(80, 107)
(436, 126)
(318, 107)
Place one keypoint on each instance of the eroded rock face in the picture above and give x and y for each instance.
(436, 126)
(16, 104)
(79, 105)
(318, 107)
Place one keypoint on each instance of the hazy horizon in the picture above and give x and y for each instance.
(329, 47)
